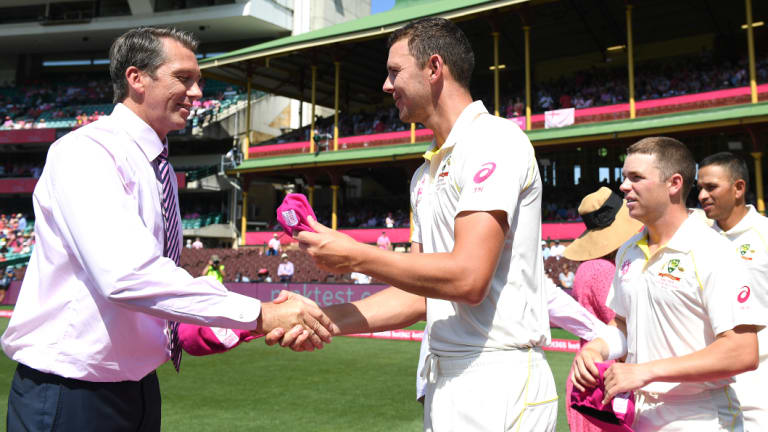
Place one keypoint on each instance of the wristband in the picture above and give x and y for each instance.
(616, 341)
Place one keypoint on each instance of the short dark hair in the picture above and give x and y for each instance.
(672, 157)
(735, 166)
(428, 36)
(142, 47)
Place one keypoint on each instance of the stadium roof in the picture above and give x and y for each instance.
(578, 31)
(370, 26)
(670, 124)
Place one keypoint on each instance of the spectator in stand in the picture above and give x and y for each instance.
(214, 268)
(263, 276)
(360, 278)
(566, 277)
(197, 244)
(596, 249)
(557, 250)
(545, 250)
(273, 247)
(240, 277)
(383, 241)
(188, 245)
(285, 269)
(389, 221)
(6, 278)
(22, 222)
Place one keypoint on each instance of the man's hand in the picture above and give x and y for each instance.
(331, 250)
(585, 373)
(309, 326)
(624, 377)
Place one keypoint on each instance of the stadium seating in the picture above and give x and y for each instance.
(248, 261)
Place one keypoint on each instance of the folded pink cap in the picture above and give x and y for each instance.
(617, 416)
(292, 214)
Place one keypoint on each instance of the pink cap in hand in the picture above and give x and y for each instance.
(292, 214)
(617, 416)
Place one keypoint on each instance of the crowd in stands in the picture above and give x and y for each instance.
(357, 217)
(584, 89)
(560, 270)
(653, 80)
(20, 169)
(71, 102)
(17, 239)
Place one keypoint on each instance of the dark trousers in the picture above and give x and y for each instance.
(41, 401)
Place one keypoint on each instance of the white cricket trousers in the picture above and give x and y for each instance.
(493, 391)
(707, 411)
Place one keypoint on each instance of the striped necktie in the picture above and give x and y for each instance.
(172, 247)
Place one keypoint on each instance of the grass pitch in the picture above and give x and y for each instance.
(351, 385)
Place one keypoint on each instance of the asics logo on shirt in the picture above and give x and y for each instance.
(485, 172)
(743, 294)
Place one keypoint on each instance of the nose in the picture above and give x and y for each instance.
(195, 92)
(702, 195)
(625, 186)
(388, 87)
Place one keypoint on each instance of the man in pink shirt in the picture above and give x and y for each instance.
(103, 296)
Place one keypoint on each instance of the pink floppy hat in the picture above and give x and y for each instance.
(617, 416)
(292, 214)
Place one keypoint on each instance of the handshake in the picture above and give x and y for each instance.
(296, 322)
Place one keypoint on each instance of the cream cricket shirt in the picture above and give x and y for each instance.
(679, 299)
(749, 242)
(486, 164)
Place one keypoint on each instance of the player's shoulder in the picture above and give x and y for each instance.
(710, 249)
(629, 246)
(499, 129)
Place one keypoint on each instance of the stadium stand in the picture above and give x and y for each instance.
(248, 261)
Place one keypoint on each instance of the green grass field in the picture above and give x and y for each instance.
(351, 385)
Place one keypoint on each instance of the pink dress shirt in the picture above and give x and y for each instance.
(98, 289)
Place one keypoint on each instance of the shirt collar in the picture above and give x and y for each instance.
(466, 118)
(686, 234)
(745, 224)
(141, 133)
(681, 241)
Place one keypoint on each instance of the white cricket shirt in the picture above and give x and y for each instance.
(487, 163)
(679, 299)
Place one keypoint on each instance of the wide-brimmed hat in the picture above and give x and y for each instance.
(608, 226)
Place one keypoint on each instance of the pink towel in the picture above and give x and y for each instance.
(617, 416)
(198, 340)
(292, 214)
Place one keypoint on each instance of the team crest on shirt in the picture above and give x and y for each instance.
(746, 252)
(444, 170)
(671, 267)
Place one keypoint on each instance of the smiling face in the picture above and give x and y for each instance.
(169, 94)
(646, 193)
(407, 83)
(718, 192)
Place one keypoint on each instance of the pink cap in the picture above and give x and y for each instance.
(292, 214)
(617, 416)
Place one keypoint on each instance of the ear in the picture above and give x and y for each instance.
(135, 78)
(675, 185)
(739, 189)
(435, 66)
